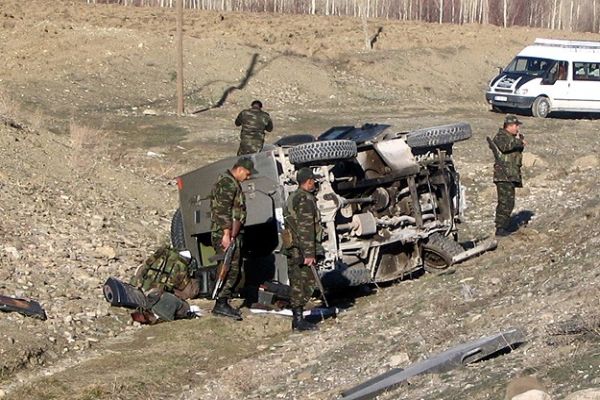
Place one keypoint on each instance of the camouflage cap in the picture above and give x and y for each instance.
(512, 119)
(304, 174)
(246, 163)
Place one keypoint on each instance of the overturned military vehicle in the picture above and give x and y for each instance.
(389, 201)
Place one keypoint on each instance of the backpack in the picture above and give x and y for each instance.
(166, 269)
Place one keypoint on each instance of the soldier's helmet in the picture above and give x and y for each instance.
(247, 163)
(256, 104)
(512, 119)
(304, 174)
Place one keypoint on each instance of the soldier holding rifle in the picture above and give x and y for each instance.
(228, 215)
(302, 240)
(507, 146)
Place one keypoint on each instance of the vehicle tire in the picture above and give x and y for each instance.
(438, 252)
(340, 278)
(438, 135)
(326, 150)
(540, 107)
(177, 234)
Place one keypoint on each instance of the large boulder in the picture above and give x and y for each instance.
(587, 394)
(533, 395)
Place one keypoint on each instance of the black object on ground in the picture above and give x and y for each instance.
(29, 308)
(122, 294)
(466, 353)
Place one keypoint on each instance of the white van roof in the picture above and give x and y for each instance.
(567, 50)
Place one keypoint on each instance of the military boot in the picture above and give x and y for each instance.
(222, 307)
(299, 323)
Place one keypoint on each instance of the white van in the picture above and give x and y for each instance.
(550, 75)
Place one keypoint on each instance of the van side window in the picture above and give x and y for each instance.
(585, 71)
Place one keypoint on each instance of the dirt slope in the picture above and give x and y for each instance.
(86, 192)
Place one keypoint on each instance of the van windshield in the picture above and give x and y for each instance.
(529, 66)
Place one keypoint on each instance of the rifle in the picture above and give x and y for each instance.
(224, 268)
(495, 150)
(319, 284)
(28, 308)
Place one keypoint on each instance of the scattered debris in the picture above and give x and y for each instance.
(574, 326)
(462, 354)
(29, 308)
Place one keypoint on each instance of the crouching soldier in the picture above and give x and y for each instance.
(228, 215)
(303, 227)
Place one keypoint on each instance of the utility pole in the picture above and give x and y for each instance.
(180, 108)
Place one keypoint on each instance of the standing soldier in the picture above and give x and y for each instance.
(254, 122)
(304, 235)
(228, 215)
(508, 154)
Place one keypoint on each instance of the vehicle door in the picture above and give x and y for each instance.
(585, 86)
(557, 86)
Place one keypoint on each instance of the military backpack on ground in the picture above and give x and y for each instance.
(166, 269)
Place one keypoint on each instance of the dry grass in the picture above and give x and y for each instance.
(88, 145)
(8, 107)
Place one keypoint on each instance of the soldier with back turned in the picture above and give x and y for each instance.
(254, 122)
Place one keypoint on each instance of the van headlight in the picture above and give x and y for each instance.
(521, 91)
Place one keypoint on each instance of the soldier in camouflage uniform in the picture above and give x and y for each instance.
(254, 122)
(228, 215)
(303, 224)
(507, 170)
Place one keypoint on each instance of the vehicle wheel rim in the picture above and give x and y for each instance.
(434, 260)
(543, 108)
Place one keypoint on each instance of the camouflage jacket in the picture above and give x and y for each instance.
(507, 168)
(254, 120)
(227, 202)
(302, 217)
(166, 269)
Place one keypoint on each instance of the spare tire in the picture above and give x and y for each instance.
(438, 135)
(438, 252)
(326, 150)
(177, 233)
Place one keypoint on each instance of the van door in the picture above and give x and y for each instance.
(585, 86)
(557, 86)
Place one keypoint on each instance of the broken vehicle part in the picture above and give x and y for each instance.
(486, 245)
(460, 355)
(29, 308)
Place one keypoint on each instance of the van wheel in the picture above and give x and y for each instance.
(541, 107)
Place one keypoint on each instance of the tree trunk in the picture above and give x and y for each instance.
(180, 107)
(364, 24)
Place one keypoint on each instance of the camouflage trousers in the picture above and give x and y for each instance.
(302, 281)
(251, 142)
(235, 274)
(506, 203)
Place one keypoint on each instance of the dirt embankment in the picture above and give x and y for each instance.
(86, 193)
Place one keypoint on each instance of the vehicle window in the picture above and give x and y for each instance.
(529, 65)
(584, 71)
(558, 71)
